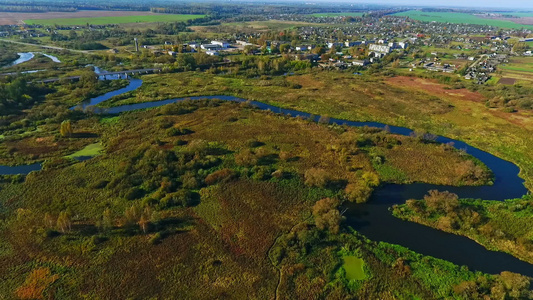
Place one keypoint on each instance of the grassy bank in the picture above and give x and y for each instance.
(500, 226)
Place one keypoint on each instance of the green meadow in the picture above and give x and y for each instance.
(354, 268)
(458, 18)
(115, 20)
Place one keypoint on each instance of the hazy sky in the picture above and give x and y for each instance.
(524, 4)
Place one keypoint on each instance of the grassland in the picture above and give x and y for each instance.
(246, 232)
(459, 18)
(348, 14)
(114, 20)
(420, 104)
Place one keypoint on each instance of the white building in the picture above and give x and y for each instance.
(380, 48)
(210, 47)
(222, 44)
(212, 52)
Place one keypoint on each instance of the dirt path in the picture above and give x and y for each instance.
(46, 46)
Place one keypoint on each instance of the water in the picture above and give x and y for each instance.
(23, 57)
(374, 219)
(25, 169)
(27, 56)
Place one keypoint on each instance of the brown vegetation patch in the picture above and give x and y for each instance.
(433, 88)
(507, 81)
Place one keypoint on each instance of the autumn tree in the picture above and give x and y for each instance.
(361, 188)
(66, 128)
(445, 202)
(326, 214)
(316, 177)
(64, 222)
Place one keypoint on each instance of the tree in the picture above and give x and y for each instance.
(66, 128)
(64, 222)
(316, 177)
(48, 221)
(441, 201)
(107, 220)
(327, 215)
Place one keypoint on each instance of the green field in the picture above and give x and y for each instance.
(338, 14)
(354, 268)
(91, 150)
(458, 18)
(114, 20)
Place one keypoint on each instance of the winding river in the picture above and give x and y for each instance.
(27, 56)
(374, 219)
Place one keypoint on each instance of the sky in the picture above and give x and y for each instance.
(523, 4)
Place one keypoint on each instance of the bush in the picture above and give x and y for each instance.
(317, 177)
(246, 158)
(178, 131)
(134, 193)
(183, 198)
(220, 176)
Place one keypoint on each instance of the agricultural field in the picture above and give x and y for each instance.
(148, 18)
(459, 18)
(518, 68)
(14, 18)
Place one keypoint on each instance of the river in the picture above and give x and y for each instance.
(374, 219)
(27, 56)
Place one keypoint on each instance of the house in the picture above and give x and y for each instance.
(302, 48)
(352, 44)
(210, 47)
(172, 53)
(360, 63)
(380, 48)
(212, 52)
(244, 43)
(334, 44)
(403, 45)
(222, 44)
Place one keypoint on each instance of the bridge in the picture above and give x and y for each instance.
(104, 75)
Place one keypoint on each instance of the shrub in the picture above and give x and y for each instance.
(317, 177)
(174, 131)
(134, 193)
(220, 176)
(358, 192)
(246, 158)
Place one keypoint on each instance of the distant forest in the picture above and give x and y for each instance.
(181, 7)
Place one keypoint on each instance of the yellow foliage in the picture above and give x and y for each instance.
(36, 283)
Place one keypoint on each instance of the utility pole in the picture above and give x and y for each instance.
(136, 45)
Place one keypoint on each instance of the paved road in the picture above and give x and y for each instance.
(46, 46)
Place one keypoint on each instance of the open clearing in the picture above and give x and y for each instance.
(101, 20)
(434, 88)
(459, 18)
(354, 268)
(507, 81)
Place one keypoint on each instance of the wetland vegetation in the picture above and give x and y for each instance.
(203, 198)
